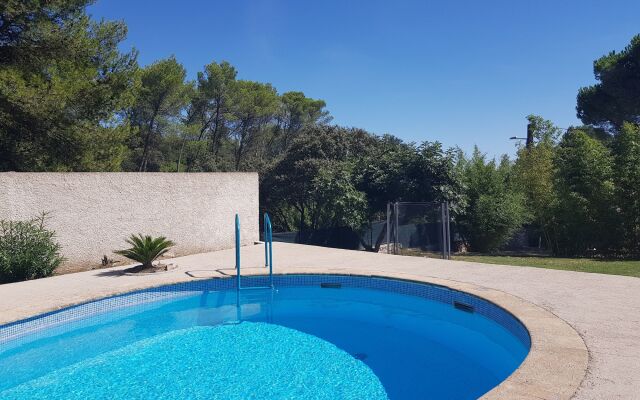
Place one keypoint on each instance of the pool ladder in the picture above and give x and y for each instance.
(268, 253)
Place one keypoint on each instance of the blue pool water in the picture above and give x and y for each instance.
(233, 361)
(355, 338)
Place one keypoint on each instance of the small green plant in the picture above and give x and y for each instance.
(106, 261)
(27, 250)
(145, 249)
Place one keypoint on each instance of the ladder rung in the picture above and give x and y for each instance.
(255, 287)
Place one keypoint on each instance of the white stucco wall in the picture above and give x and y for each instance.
(92, 213)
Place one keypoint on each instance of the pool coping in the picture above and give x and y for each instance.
(554, 368)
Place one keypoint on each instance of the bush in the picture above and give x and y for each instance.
(27, 250)
(494, 209)
(495, 218)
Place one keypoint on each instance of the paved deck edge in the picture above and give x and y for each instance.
(554, 368)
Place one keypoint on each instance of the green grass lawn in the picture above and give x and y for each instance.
(613, 267)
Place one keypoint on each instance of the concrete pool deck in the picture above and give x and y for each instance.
(603, 309)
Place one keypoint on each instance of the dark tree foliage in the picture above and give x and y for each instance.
(585, 213)
(391, 170)
(313, 177)
(581, 189)
(24, 25)
(62, 81)
(626, 177)
(332, 176)
(297, 112)
(493, 209)
(615, 99)
(160, 97)
(209, 113)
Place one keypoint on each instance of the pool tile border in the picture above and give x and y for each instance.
(33, 325)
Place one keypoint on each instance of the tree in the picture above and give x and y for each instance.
(160, 99)
(63, 82)
(382, 172)
(391, 170)
(626, 175)
(494, 210)
(616, 97)
(434, 175)
(544, 131)
(584, 214)
(337, 202)
(533, 174)
(253, 106)
(311, 186)
(210, 108)
(297, 112)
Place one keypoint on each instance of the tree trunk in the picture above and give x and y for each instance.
(379, 239)
(214, 135)
(147, 139)
(240, 148)
(184, 142)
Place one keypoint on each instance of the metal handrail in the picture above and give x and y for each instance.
(268, 253)
(268, 247)
(238, 251)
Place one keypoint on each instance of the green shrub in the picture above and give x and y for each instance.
(145, 249)
(27, 250)
(494, 209)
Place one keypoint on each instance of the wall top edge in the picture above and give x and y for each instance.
(128, 173)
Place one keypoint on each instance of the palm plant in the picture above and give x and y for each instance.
(145, 249)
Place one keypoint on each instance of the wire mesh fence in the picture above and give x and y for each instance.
(409, 229)
(418, 229)
(412, 228)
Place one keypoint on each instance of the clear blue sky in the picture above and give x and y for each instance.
(460, 72)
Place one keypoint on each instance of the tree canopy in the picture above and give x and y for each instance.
(615, 99)
(161, 95)
(62, 83)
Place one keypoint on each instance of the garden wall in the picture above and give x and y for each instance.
(92, 213)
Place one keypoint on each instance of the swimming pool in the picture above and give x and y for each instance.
(315, 336)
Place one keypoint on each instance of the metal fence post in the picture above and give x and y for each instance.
(388, 228)
(443, 231)
(395, 228)
(448, 232)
